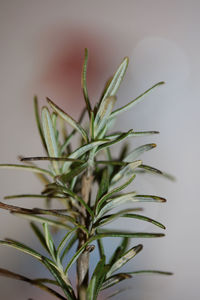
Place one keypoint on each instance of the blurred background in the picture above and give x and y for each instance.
(41, 52)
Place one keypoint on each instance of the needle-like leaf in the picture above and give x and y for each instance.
(103, 114)
(124, 259)
(26, 168)
(109, 218)
(116, 80)
(139, 151)
(37, 283)
(135, 101)
(49, 136)
(84, 82)
(112, 192)
(68, 119)
(38, 121)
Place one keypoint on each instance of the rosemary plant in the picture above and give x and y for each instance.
(70, 179)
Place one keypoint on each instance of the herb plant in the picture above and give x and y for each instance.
(89, 183)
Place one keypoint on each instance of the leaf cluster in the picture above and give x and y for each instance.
(70, 178)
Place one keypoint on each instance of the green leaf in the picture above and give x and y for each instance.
(129, 169)
(68, 119)
(119, 251)
(103, 113)
(73, 173)
(49, 136)
(52, 159)
(152, 170)
(112, 192)
(111, 234)
(32, 196)
(133, 197)
(114, 84)
(92, 125)
(124, 259)
(100, 247)
(37, 117)
(26, 168)
(67, 139)
(43, 220)
(76, 197)
(114, 280)
(139, 151)
(37, 283)
(117, 140)
(82, 150)
(22, 247)
(69, 246)
(39, 235)
(49, 241)
(151, 198)
(63, 282)
(150, 272)
(97, 280)
(84, 82)
(64, 241)
(109, 218)
(132, 134)
(135, 101)
(104, 184)
(114, 202)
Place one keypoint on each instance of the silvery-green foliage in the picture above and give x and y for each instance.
(84, 215)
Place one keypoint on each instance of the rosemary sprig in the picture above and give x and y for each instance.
(71, 178)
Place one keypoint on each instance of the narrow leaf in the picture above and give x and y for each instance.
(103, 113)
(76, 197)
(112, 192)
(63, 283)
(96, 280)
(69, 246)
(43, 220)
(129, 169)
(150, 272)
(39, 235)
(139, 151)
(50, 138)
(132, 134)
(104, 184)
(32, 196)
(84, 82)
(114, 280)
(109, 218)
(135, 101)
(68, 119)
(22, 247)
(38, 121)
(116, 79)
(49, 241)
(111, 234)
(150, 198)
(119, 251)
(124, 259)
(124, 198)
(37, 283)
(64, 241)
(51, 159)
(82, 150)
(73, 173)
(152, 170)
(26, 168)
(117, 140)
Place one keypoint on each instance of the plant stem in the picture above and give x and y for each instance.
(83, 260)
